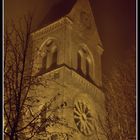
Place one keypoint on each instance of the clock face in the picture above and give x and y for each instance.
(85, 19)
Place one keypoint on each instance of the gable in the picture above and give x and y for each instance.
(83, 20)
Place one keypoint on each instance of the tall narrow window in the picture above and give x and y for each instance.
(87, 68)
(79, 63)
(44, 61)
(85, 63)
(42, 69)
(54, 58)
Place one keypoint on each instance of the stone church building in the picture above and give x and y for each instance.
(67, 56)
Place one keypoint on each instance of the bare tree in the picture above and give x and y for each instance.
(119, 89)
(18, 82)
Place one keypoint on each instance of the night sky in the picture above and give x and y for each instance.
(115, 20)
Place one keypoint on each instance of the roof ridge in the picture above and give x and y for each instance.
(58, 11)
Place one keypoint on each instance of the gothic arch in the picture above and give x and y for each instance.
(47, 55)
(48, 41)
(85, 62)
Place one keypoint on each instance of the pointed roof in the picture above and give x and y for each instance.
(71, 9)
(57, 11)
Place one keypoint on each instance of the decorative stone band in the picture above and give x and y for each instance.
(62, 21)
(54, 74)
(85, 83)
(75, 77)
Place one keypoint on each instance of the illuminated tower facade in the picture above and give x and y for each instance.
(68, 51)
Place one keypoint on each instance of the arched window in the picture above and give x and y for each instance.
(79, 62)
(53, 54)
(42, 68)
(54, 58)
(44, 61)
(84, 63)
(87, 68)
(49, 56)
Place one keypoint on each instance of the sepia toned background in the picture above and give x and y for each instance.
(115, 21)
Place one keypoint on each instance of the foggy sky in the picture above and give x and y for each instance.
(115, 20)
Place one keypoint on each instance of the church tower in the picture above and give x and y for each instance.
(67, 54)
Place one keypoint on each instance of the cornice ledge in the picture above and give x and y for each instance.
(62, 21)
(86, 84)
